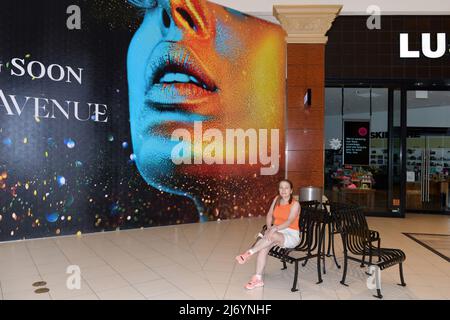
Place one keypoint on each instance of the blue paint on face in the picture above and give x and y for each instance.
(236, 13)
(148, 48)
(144, 4)
(143, 118)
(221, 40)
(226, 44)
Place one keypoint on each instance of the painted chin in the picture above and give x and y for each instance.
(154, 164)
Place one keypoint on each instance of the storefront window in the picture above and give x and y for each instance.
(428, 151)
(356, 146)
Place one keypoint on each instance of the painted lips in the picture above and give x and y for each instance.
(176, 79)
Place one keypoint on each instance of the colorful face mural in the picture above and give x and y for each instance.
(152, 113)
(206, 89)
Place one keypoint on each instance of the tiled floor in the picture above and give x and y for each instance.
(438, 243)
(196, 261)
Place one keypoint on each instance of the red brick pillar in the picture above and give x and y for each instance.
(306, 27)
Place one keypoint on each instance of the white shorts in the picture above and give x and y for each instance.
(291, 237)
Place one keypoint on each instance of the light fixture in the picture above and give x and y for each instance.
(307, 100)
(421, 94)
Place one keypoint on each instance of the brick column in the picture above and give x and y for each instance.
(306, 27)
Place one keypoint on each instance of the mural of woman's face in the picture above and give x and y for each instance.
(193, 61)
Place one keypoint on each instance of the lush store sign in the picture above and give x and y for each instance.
(427, 49)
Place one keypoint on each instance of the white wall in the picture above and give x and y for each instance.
(401, 7)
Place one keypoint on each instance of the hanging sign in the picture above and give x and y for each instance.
(356, 142)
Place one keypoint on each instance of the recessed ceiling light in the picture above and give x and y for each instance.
(421, 94)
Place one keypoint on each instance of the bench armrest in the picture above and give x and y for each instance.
(374, 235)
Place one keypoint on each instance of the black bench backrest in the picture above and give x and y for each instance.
(311, 221)
(351, 222)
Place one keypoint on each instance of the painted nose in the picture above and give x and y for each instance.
(192, 17)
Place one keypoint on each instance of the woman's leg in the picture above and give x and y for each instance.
(261, 261)
(262, 248)
(256, 280)
(276, 239)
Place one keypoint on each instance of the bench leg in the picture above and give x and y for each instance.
(319, 257)
(330, 234)
(294, 285)
(379, 250)
(323, 240)
(324, 267)
(334, 253)
(306, 261)
(284, 265)
(379, 295)
(402, 280)
(344, 274)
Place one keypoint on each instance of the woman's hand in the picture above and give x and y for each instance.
(271, 232)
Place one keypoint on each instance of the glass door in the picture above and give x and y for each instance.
(428, 151)
(427, 166)
(396, 202)
(357, 147)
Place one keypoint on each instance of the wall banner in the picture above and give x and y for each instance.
(117, 114)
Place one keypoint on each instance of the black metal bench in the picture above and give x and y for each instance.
(312, 228)
(337, 221)
(357, 240)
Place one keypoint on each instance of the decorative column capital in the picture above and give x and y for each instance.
(306, 23)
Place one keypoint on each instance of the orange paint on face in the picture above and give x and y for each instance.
(190, 61)
(250, 80)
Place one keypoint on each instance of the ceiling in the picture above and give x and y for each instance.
(263, 8)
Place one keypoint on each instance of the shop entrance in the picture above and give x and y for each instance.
(403, 165)
(428, 151)
(358, 165)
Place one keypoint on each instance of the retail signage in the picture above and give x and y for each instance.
(385, 134)
(410, 176)
(356, 142)
(379, 135)
(438, 52)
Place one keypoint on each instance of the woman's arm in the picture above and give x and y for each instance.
(293, 214)
(269, 216)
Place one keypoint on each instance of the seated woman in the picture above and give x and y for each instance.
(284, 214)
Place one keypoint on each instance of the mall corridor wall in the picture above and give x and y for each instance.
(118, 114)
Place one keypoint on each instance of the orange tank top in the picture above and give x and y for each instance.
(281, 214)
